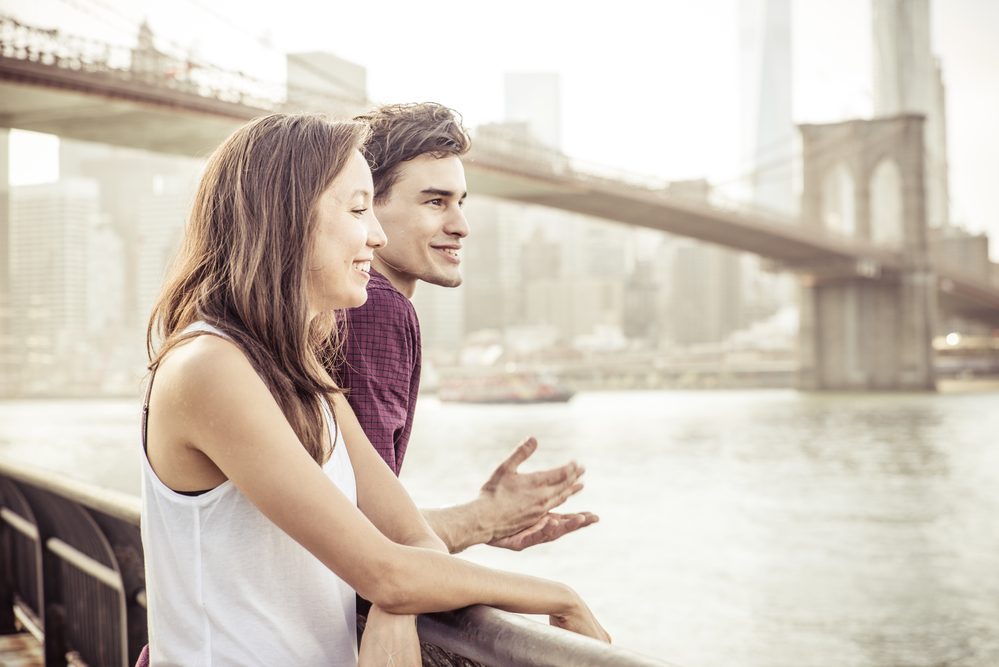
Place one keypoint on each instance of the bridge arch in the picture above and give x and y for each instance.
(884, 158)
(839, 214)
(887, 220)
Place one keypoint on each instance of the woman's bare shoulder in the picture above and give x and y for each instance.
(195, 371)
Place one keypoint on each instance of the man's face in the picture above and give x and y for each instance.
(424, 222)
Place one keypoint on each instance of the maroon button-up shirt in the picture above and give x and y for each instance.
(382, 369)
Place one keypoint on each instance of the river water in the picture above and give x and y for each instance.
(757, 528)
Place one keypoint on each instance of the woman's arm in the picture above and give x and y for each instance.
(380, 495)
(225, 411)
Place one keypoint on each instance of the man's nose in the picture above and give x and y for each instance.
(457, 225)
(376, 235)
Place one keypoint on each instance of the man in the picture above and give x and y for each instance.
(415, 157)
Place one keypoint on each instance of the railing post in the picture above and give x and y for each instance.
(6, 581)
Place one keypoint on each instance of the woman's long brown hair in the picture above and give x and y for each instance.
(243, 264)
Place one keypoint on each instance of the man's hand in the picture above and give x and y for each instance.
(550, 527)
(515, 508)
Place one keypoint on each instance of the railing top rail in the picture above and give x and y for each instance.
(121, 506)
(496, 637)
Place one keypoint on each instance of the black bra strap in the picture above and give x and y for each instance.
(145, 409)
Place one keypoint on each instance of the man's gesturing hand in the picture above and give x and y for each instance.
(516, 507)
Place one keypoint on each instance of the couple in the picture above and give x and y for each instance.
(265, 505)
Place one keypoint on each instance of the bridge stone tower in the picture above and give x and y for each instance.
(864, 326)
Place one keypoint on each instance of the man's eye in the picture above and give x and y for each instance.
(436, 202)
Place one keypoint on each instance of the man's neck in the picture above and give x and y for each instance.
(403, 282)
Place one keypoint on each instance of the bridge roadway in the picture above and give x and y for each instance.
(87, 99)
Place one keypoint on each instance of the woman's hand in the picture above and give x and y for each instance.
(389, 639)
(581, 620)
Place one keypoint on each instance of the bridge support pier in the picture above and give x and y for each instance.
(862, 326)
(858, 334)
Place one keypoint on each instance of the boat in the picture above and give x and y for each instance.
(503, 388)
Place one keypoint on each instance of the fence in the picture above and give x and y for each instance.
(71, 574)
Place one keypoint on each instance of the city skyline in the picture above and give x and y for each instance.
(618, 99)
(544, 280)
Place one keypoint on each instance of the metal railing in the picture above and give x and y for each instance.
(71, 573)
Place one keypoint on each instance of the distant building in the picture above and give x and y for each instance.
(323, 82)
(50, 230)
(442, 317)
(706, 283)
(769, 140)
(908, 79)
(493, 285)
(128, 182)
(4, 215)
(958, 250)
(768, 132)
(644, 304)
(8, 354)
(706, 303)
(534, 99)
(105, 280)
(161, 217)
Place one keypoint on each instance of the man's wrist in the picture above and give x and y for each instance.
(461, 526)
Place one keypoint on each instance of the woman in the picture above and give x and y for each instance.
(264, 505)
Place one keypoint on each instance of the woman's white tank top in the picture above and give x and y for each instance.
(225, 586)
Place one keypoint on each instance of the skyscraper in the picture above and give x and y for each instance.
(8, 355)
(4, 216)
(162, 214)
(908, 79)
(49, 238)
(492, 288)
(769, 140)
(534, 98)
(127, 180)
(768, 132)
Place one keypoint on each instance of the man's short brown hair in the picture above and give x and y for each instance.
(401, 132)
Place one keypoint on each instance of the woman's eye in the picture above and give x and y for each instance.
(360, 211)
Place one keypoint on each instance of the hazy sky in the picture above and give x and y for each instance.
(650, 87)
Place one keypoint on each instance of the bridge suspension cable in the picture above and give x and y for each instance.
(823, 148)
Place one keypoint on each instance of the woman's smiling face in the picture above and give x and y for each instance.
(347, 233)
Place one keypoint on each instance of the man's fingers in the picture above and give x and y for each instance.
(563, 495)
(522, 452)
(568, 473)
(548, 528)
(524, 538)
(580, 518)
(519, 455)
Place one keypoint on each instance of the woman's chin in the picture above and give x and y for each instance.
(356, 300)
